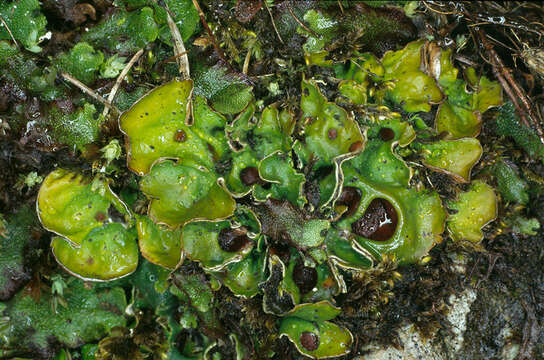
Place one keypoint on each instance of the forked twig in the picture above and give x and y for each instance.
(120, 79)
(87, 90)
(510, 86)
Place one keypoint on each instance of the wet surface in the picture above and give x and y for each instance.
(379, 221)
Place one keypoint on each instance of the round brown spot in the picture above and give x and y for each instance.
(350, 197)
(309, 341)
(332, 133)
(305, 277)
(379, 221)
(100, 216)
(231, 240)
(180, 136)
(387, 134)
(356, 146)
(250, 176)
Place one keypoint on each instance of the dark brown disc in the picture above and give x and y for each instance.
(250, 176)
(332, 133)
(350, 197)
(180, 136)
(305, 277)
(358, 145)
(379, 221)
(231, 240)
(309, 341)
(387, 134)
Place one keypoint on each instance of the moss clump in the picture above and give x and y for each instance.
(508, 124)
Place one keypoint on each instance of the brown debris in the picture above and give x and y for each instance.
(246, 9)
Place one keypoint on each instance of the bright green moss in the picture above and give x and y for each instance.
(26, 22)
(89, 315)
(19, 251)
(508, 124)
(76, 129)
(82, 62)
(124, 31)
(228, 93)
(510, 185)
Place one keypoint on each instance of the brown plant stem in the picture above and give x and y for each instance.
(218, 50)
(87, 90)
(516, 94)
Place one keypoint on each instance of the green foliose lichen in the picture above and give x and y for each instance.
(275, 203)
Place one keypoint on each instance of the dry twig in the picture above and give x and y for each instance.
(273, 22)
(87, 90)
(511, 87)
(9, 31)
(179, 48)
(314, 34)
(210, 33)
(120, 79)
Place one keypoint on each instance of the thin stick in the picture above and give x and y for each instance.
(173, 57)
(210, 33)
(501, 43)
(120, 79)
(273, 22)
(438, 11)
(181, 57)
(88, 91)
(514, 91)
(179, 49)
(9, 32)
(340, 6)
(246, 62)
(314, 34)
(464, 60)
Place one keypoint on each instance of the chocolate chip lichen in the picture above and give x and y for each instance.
(250, 213)
(368, 197)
